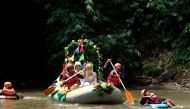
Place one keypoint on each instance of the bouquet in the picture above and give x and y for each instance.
(102, 88)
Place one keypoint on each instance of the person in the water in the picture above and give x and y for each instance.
(150, 98)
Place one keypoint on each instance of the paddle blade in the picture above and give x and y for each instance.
(19, 95)
(49, 90)
(129, 97)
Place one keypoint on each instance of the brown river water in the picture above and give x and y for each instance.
(36, 100)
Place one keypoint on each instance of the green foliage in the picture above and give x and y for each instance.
(126, 31)
(95, 20)
(182, 40)
(166, 67)
(149, 69)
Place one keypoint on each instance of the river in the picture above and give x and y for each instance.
(35, 99)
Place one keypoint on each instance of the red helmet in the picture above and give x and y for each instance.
(69, 66)
(118, 66)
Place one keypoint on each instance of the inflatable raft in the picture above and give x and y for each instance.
(90, 94)
(8, 97)
(13, 97)
(158, 106)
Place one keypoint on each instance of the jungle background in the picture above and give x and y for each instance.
(150, 38)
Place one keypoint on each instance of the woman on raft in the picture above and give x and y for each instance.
(150, 98)
(78, 68)
(90, 76)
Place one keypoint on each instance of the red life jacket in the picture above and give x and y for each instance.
(72, 81)
(10, 92)
(155, 100)
(113, 78)
(63, 73)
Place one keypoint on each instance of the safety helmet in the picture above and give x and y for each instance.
(78, 63)
(118, 66)
(7, 84)
(69, 65)
(143, 92)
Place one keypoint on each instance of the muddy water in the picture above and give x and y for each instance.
(36, 100)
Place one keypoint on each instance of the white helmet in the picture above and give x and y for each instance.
(78, 63)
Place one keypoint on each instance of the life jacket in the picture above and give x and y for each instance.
(113, 78)
(145, 100)
(9, 92)
(155, 100)
(72, 81)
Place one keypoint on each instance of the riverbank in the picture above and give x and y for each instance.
(165, 70)
(164, 85)
(168, 85)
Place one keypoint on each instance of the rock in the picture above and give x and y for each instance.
(187, 85)
(172, 85)
(154, 81)
(147, 81)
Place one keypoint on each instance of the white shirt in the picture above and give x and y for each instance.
(89, 80)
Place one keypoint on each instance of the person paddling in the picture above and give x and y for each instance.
(150, 98)
(78, 68)
(70, 72)
(8, 89)
(112, 77)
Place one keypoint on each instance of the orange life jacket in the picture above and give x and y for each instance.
(72, 81)
(113, 78)
(10, 92)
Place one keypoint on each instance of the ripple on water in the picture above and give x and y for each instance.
(182, 107)
(32, 98)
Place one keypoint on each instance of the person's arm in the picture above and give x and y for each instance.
(81, 74)
(106, 63)
(95, 78)
(8, 91)
(146, 96)
(1, 91)
(63, 81)
(145, 100)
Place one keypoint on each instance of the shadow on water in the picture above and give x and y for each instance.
(34, 99)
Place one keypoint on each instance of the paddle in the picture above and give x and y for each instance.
(128, 94)
(49, 90)
(19, 95)
(52, 88)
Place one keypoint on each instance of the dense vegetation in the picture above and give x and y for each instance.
(149, 37)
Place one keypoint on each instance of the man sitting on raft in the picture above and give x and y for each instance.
(150, 98)
(70, 72)
(113, 78)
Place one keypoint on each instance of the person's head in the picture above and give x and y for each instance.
(145, 92)
(78, 66)
(70, 67)
(118, 66)
(7, 85)
(89, 67)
